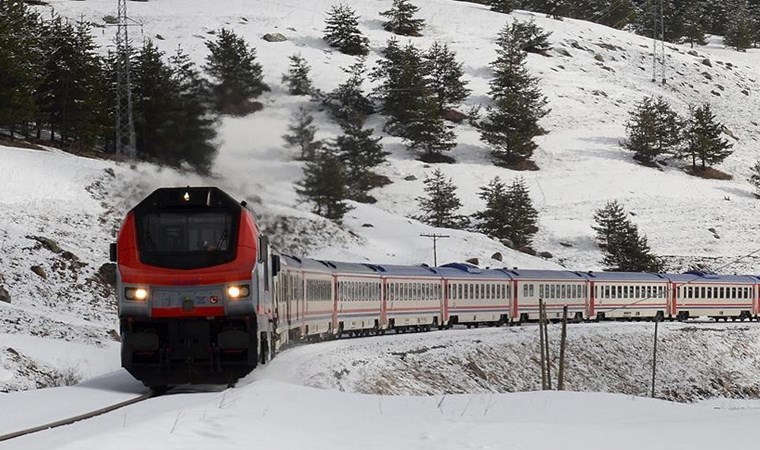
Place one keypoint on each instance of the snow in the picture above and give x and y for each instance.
(65, 325)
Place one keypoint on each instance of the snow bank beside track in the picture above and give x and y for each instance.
(695, 361)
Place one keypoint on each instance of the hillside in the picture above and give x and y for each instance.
(592, 77)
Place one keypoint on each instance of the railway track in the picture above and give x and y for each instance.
(78, 418)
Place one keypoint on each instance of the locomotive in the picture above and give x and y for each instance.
(194, 288)
(203, 299)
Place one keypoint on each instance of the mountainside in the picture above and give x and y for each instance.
(592, 77)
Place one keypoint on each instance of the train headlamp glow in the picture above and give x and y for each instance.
(238, 291)
(186, 196)
(136, 294)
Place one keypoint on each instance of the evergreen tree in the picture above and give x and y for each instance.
(493, 221)
(342, 31)
(531, 37)
(193, 127)
(426, 132)
(624, 249)
(440, 207)
(71, 95)
(324, 185)
(509, 215)
(444, 76)
(653, 129)
(403, 89)
(511, 120)
(236, 74)
(301, 133)
(154, 98)
(610, 221)
(502, 6)
(297, 78)
(740, 31)
(361, 153)
(19, 64)
(703, 138)
(694, 31)
(754, 178)
(401, 19)
(347, 104)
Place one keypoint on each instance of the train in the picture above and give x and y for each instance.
(204, 299)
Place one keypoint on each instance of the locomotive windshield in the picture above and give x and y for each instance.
(187, 239)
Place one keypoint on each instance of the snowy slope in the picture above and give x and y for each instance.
(46, 193)
(590, 93)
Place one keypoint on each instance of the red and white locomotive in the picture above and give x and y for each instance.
(202, 298)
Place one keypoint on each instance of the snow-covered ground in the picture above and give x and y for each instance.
(61, 328)
(273, 409)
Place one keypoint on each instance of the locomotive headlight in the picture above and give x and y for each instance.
(238, 291)
(136, 294)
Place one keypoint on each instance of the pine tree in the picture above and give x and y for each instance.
(523, 217)
(401, 19)
(361, 153)
(703, 138)
(154, 99)
(19, 64)
(509, 214)
(754, 179)
(236, 74)
(440, 207)
(502, 6)
(403, 87)
(493, 220)
(444, 76)
(624, 250)
(511, 120)
(531, 37)
(427, 133)
(301, 133)
(694, 31)
(740, 29)
(610, 221)
(653, 129)
(342, 31)
(297, 78)
(324, 185)
(194, 124)
(347, 104)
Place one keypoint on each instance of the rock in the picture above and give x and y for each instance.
(452, 115)
(692, 53)
(599, 57)
(107, 274)
(109, 171)
(114, 335)
(368, 225)
(566, 244)
(599, 93)
(711, 230)
(745, 92)
(546, 255)
(40, 272)
(274, 37)
(497, 256)
(410, 178)
(47, 243)
(110, 20)
(563, 51)
(720, 86)
(528, 250)
(707, 75)
(5, 297)
(715, 93)
(576, 45)
(160, 38)
(473, 261)
(707, 62)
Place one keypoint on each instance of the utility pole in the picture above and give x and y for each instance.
(125, 125)
(658, 33)
(654, 353)
(435, 238)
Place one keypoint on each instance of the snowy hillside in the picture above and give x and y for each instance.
(592, 78)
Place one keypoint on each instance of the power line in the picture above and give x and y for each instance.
(435, 238)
